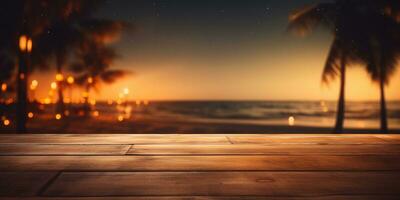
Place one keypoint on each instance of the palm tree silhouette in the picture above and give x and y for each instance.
(28, 18)
(382, 49)
(340, 18)
(366, 32)
(54, 27)
(93, 68)
(66, 34)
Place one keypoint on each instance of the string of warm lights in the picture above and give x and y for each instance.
(123, 107)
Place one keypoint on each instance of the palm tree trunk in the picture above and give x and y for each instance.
(341, 101)
(384, 126)
(22, 93)
(86, 103)
(60, 101)
(60, 107)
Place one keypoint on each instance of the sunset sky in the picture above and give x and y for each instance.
(223, 50)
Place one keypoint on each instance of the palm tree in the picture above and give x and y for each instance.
(67, 33)
(383, 50)
(40, 20)
(375, 43)
(17, 18)
(92, 67)
(340, 18)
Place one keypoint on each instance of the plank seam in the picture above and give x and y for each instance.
(129, 150)
(229, 140)
(48, 183)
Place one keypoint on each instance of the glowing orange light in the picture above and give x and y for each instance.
(138, 102)
(120, 118)
(22, 76)
(70, 80)
(146, 102)
(96, 113)
(126, 91)
(93, 102)
(59, 77)
(109, 102)
(90, 80)
(30, 115)
(53, 85)
(9, 101)
(34, 84)
(58, 116)
(29, 45)
(66, 112)
(23, 40)
(85, 94)
(291, 121)
(47, 101)
(3, 87)
(6, 122)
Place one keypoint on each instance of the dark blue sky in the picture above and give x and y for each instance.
(222, 49)
(202, 26)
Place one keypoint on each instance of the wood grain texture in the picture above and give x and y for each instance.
(112, 139)
(46, 149)
(23, 183)
(256, 149)
(330, 197)
(308, 139)
(204, 163)
(200, 167)
(224, 183)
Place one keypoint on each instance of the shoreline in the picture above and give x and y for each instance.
(169, 126)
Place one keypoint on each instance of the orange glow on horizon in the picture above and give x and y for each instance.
(270, 76)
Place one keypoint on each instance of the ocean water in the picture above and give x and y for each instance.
(287, 113)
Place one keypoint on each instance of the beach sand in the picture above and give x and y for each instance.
(110, 124)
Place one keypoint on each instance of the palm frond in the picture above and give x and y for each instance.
(102, 30)
(111, 76)
(305, 20)
(332, 66)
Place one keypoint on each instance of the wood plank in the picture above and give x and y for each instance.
(112, 139)
(256, 149)
(331, 197)
(306, 139)
(45, 149)
(23, 183)
(199, 163)
(195, 138)
(390, 138)
(224, 183)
